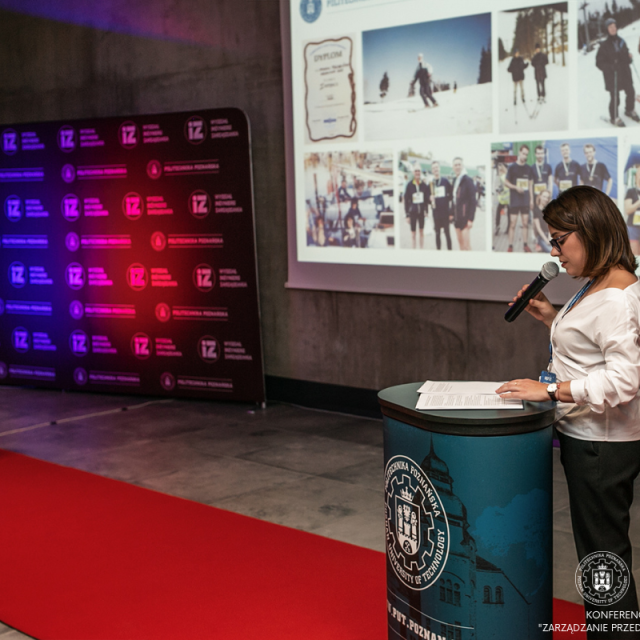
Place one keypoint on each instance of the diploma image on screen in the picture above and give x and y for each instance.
(426, 79)
(330, 97)
(349, 200)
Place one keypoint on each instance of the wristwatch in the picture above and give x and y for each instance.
(551, 390)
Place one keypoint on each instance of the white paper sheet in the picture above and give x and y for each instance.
(435, 401)
(459, 387)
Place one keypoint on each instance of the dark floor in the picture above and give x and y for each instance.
(312, 470)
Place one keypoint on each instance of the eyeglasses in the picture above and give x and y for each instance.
(557, 243)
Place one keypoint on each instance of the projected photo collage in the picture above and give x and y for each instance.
(443, 133)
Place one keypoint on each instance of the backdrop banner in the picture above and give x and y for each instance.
(127, 260)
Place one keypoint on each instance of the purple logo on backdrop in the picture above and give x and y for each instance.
(13, 208)
(20, 339)
(17, 275)
(158, 241)
(163, 312)
(80, 376)
(128, 134)
(141, 346)
(72, 241)
(137, 277)
(167, 381)
(76, 310)
(78, 343)
(70, 207)
(195, 130)
(199, 204)
(204, 277)
(208, 349)
(68, 173)
(154, 169)
(74, 275)
(67, 138)
(9, 141)
(133, 205)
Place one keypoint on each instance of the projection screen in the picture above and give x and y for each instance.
(424, 138)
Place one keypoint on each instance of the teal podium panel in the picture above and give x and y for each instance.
(468, 518)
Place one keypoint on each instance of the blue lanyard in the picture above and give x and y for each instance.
(570, 306)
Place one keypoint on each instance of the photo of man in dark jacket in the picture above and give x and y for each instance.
(516, 69)
(464, 204)
(423, 76)
(416, 203)
(539, 62)
(614, 60)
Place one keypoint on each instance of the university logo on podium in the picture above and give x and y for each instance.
(407, 522)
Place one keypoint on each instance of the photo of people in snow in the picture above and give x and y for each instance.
(526, 175)
(428, 79)
(533, 68)
(443, 202)
(349, 200)
(609, 64)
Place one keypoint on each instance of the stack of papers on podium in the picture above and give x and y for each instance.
(436, 396)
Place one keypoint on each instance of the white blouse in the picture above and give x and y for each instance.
(597, 347)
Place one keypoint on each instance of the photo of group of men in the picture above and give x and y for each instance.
(349, 200)
(527, 175)
(438, 196)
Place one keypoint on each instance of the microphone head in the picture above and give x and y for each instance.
(549, 270)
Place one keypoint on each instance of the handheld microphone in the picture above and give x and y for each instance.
(548, 272)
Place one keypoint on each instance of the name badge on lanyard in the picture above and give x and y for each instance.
(565, 184)
(440, 192)
(418, 197)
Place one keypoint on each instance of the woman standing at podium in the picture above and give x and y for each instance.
(595, 359)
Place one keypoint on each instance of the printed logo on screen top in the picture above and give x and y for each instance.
(20, 339)
(204, 277)
(137, 277)
(208, 349)
(78, 343)
(74, 275)
(133, 205)
(128, 134)
(195, 130)
(141, 346)
(17, 275)
(13, 208)
(10, 142)
(199, 204)
(417, 528)
(310, 10)
(67, 138)
(70, 207)
(602, 578)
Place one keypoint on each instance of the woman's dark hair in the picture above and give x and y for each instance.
(600, 225)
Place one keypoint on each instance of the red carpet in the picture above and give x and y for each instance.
(568, 613)
(87, 558)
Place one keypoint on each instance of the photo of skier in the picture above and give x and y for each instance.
(438, 79)
(441, 197)
(529, 173)
(608, 59)
(349, 200)
(533, 68)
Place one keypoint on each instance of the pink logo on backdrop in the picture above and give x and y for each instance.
(195, 130)
(133, 205)
(199, 204)
(128, 134)
(137, 277)
(67, 138)
(141, 346)
(204, 277)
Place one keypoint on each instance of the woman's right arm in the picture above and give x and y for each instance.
(539, 307)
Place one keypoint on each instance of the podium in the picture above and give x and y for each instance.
(468, 517)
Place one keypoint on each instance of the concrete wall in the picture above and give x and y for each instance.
(121, 57)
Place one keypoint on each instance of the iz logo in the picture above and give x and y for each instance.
(128, 135)
(78, 343)
(9, 141)
(141, 346)
(67, 138)
(20, 339)
(75, 275)
(203, 277)
(137, 277)
(200, 204)
(13, 208)
(195, 130)
(17, 275)
(71, 208)
(132, 206)
(208, 349)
